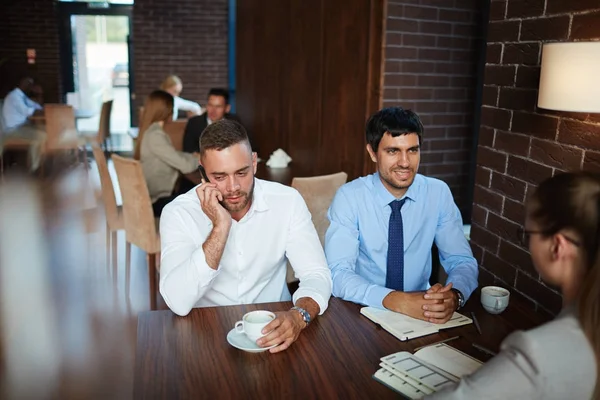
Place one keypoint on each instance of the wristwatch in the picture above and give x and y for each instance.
(461, 298)
(304, 313)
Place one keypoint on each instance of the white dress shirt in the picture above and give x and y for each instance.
(277, 228)
(185, 105)
(17, 108)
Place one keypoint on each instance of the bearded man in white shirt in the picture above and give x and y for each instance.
(228, 241)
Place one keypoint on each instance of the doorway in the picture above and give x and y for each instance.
(96, 65)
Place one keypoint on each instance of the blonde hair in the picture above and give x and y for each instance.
(572, 201)
(158, 107)
(170, 81)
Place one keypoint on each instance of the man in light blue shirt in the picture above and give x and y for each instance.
(364, 268)
(18, 107)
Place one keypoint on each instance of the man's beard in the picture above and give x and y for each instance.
(247, 197)
(388, 178)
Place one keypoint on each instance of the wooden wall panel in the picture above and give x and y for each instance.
(306, 75)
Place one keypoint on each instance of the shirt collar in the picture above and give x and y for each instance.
(259, 203)
(384, 197)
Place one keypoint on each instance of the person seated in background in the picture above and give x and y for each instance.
(172, 85)
(228, 241)
(383, 227)
(17, 108)
(560, 359)
(161, 163)
(18, 105)
(217, 108)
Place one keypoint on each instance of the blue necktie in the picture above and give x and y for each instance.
(394, 278)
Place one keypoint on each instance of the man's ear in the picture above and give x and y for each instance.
(254, 161)
(228, 108)
(371, 153)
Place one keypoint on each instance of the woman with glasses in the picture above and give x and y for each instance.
(558, 360)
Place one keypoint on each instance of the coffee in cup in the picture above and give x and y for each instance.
(253, 323)
(494, 299)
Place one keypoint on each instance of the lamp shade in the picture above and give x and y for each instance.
(570, 77)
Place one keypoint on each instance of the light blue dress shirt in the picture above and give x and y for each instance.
(356, 242)
(17, 108)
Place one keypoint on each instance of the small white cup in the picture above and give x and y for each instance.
(494, 299)
(253, 323)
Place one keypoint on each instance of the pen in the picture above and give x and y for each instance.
(436, 343)
(476, 322)
(483, 349)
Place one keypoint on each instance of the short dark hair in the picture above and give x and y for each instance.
(223, 134)
(220, 92)
(393, 120)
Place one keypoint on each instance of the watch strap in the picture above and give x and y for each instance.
(461, 298)
(304, 313)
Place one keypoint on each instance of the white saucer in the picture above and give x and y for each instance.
(241, 341)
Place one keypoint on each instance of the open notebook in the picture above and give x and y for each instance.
(405, 327)
(427, 371)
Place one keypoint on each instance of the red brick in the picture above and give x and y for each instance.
(502, 227)
(500, 75)
(497, 10)
(540, 126)
(445, 144)
(445, 169)
(500, 268)
(486, 136)
(464, 30)
(483, 176)
(489, 200)
(416, 67)
(458, 131)
(514, 211)
(556, 155)
(511, 143)
(592, 161)
(402, 25)
(585, 26)
(521, 53)
(416, 12)
(517, 257)
(518, 99)
(478, 215)
(508, 186)
(528, 77)
(485, 238)
(491, 159)
(579, 134)
(431, 158)
(495, 118)
(434, 54)
(525, 8)
(562, 6)
(433, 132)
(433, 80)
(393, 39)
(400, 53)
(454, 16)
(503, 31)
(536, 290)
(458, 156)
(395, 10)
(431, 28)
(430, 107)
(419, 40)
(453, 42)
(493, 53)
(554, 28)
(490, 95)
(485, 278)
(400, 80)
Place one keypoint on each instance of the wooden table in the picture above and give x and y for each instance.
(189, 357)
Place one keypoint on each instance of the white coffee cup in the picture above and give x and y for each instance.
(253, 323)
(494, 299)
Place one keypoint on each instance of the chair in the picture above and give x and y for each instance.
(175, 130)
(114, 214)
(140, 225)
(102, 137)
(8, 143)
(318, 192)
(61, 131)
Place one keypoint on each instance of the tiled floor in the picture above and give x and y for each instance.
(67, 327)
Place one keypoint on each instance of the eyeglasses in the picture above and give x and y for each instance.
(524, 235)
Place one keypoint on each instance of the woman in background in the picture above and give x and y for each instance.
(161, 163)
(172, 85)
(558, 360)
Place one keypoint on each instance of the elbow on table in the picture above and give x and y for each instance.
(176, 306)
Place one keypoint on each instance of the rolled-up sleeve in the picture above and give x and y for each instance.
(184, 274)
(305, 253)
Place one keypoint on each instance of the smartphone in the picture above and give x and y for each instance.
(203, 173)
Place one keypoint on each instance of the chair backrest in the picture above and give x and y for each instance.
(318, 192)
(2, 129)
(60, 121)
(104, 127)
(176, 130)
(108, 191)
(140, 227)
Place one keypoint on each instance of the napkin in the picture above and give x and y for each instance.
(279, 159)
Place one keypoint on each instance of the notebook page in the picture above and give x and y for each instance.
(449, 359)
(419, 370)
(396, 383)
(406, 378)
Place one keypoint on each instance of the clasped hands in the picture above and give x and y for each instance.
(436, 305)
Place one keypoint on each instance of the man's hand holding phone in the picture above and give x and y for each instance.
(209, 197)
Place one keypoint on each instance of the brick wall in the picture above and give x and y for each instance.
(519, 144)
(430, 67)
(187, 38)
(26, 24)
